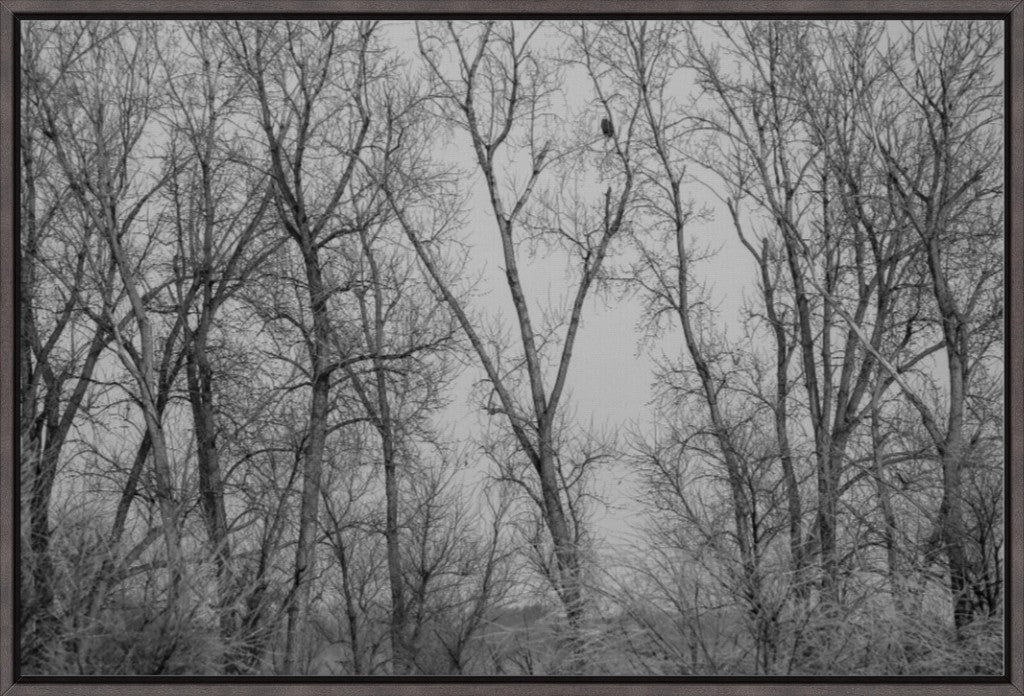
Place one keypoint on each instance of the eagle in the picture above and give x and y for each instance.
(606, 127)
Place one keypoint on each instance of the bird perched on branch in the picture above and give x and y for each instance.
(606, 127)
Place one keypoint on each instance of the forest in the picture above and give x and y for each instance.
(401, 348)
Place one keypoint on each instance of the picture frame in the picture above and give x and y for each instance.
(1011, 12)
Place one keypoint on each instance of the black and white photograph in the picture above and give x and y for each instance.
(515, 347)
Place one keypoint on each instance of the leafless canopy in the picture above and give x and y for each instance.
(512, 347)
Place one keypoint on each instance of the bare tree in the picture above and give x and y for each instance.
(218, 202)
(491, 85)
(112, 188)
(55, 369)
(939, 142)
(777, 150)
(309, 86)
(406, 335)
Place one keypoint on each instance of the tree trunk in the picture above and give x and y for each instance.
(401, 656)
(211, 485)
(403, 659)
(566, 551)
(951, 452)
(316, 438)
(951, 522)
(889, 524)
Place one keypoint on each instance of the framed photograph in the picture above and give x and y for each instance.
(568, 347)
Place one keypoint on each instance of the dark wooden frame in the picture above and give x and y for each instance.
(1010, 11)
